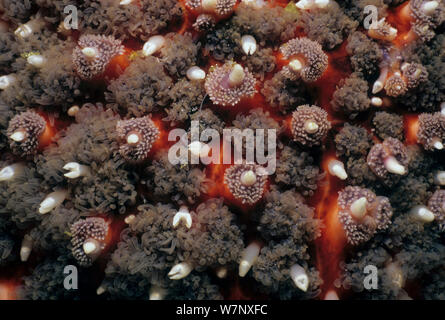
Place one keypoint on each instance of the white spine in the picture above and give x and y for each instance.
(153, 45)
(52, 201)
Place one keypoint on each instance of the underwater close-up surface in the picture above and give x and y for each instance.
(222, 149)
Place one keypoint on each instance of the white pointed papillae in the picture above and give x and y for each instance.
(380, 83)
(23, 31)
(90, 52)
(358, 208)
(6, 81)
(73, 111)
(209, 5)
(429, 7)
(296, 65)
(237, 75)
(376, 101)
(311, 4)
(439, 178)
(26, 248)
(18, 136)
(331, 295)
(90, 247)
(157, 293)
(196, 73)
(129, 218)
(37, 60)
(221, 272)
(437, 144)
(311, 127)
(100, 290)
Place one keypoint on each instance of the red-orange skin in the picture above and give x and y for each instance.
(50, 131)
